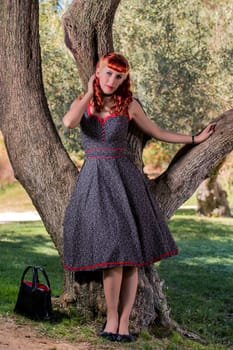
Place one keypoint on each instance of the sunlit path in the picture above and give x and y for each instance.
(19, 216)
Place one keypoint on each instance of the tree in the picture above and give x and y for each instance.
(187, 77)
(42, 165)
(181, 81)
(211, 197)
(60, 76)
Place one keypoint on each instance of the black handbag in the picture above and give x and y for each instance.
(34, 297)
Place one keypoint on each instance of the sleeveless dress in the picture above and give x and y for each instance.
(112, 218)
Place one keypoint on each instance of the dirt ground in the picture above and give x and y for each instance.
(23, 337)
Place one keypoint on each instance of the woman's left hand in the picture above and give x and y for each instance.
(205, 134)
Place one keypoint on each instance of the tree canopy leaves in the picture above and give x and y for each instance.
(180, 54)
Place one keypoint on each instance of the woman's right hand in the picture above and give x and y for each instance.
(90, 88)
(74, 115)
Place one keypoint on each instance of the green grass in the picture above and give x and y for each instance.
(25, 244)
(199, 284)
(13, 197)
(200, 279)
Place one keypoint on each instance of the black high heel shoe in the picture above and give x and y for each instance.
(107, 335)
(127, 338)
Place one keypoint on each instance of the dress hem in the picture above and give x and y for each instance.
(120, 263)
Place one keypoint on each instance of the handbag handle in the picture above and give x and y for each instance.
(41, 269)
(35, 278)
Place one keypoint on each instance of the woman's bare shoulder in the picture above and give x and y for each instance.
(134, 107)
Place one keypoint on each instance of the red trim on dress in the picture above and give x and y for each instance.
(127, 263)
(104, 149)
(103, 156)
(103, 120)
(121, 149)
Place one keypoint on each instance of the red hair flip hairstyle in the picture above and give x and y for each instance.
(122, 96)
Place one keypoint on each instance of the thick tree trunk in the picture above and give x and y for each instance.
(41, 163)
(212, 199)
(38, 158)
(88, 32)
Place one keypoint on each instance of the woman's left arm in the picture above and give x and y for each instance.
(137, 114)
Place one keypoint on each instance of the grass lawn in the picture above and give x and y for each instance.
(25, 244)
(13, 197)
(200, 279)
(199, 283)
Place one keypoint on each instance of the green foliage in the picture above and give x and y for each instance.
(158, 155)
(175, 50)
(61, 81)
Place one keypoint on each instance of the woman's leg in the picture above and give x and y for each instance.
(112, 280)
(127, 297)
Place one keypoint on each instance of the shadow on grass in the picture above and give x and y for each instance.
(200, 279)
(25, 244)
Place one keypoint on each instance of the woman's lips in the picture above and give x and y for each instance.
(109, 87)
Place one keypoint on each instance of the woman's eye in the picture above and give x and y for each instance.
(119, 77)
(109, 73)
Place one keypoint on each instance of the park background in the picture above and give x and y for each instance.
(181, 57)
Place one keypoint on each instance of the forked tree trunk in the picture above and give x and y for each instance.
(40, 161)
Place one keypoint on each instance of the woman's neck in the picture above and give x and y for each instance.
(108, 98)
(108, 95)
(108, 101)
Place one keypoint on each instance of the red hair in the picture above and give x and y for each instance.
(122, 96)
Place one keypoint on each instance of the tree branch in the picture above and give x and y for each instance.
(87, 29)
(192, 164)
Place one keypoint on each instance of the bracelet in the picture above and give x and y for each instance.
(193, 140)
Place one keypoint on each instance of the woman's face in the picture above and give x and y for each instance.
(109, 79)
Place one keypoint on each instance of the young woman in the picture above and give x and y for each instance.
(113, 222)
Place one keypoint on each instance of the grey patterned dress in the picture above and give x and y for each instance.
(112, 218)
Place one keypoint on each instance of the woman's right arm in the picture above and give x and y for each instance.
(74, 115)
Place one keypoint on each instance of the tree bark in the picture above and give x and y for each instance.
(40, 161)
(38, 158)
(88, 32)
(212, 199)
(193, 164)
